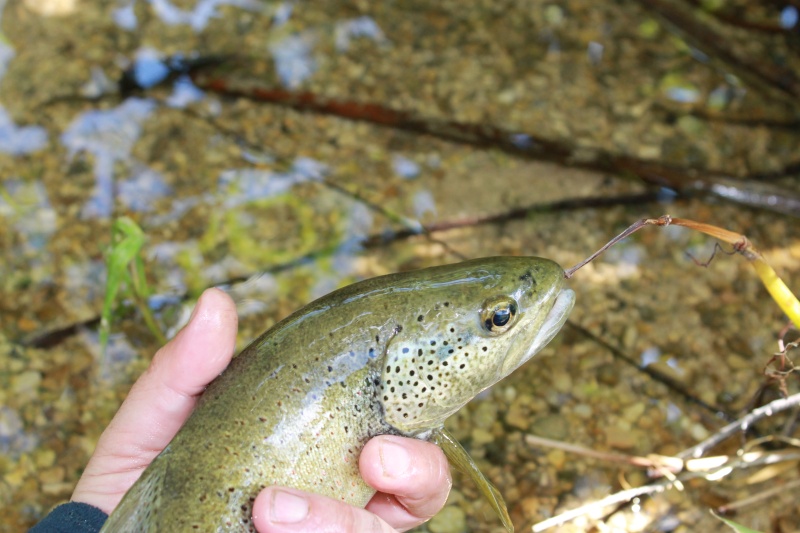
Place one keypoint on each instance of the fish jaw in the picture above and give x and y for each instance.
(552, 324)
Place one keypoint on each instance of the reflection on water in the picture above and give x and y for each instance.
(204, 11)
(112, 363)
(109, 136)
(789, 17)
(405, 167)
(124, 16)
(27, 208)
(142, 189)
(245, 185)
(347, 30)
(20, 140)
(6, 51)
(14, 440)
(149, 68)
(293, 60)
(424, 204)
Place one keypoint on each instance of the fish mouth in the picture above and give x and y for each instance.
(550, 326)
(554, 320)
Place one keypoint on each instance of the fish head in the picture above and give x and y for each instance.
(471, 324)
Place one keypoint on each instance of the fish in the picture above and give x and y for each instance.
(396, 354)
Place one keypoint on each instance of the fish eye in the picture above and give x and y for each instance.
(499, 314)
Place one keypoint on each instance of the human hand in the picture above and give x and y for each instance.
(411, 476)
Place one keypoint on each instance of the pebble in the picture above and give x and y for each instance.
(583, 410)
(557, 458)
(519, 414)
(562, 382)
(451, 519)
(698, 432)
(485, 415)
(551, 427)
(26, 383)
(44, 458)
(481, 437)
(52, 475)
(620, 438)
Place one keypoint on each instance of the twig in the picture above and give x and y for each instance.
(714, 468)
(619, 497)
(778, 82)
(655, 461)
(785, 488)
(661, 464)
(684, 181)
(743, 424)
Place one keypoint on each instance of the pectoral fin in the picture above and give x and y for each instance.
(460, 459)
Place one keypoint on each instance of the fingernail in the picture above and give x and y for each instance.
(288, 508)
(394, 459)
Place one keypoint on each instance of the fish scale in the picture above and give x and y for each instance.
(395, 355)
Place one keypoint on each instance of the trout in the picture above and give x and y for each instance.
(396, 354)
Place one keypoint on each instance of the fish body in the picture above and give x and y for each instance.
(396, 354)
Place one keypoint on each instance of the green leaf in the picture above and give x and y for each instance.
(127, 239)
(734, 526)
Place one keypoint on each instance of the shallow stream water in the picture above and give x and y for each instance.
(504, 127)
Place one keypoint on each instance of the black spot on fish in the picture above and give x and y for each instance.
(447, 304)
(330, 368)
(420, 318)
(526, 276)
(433, 343)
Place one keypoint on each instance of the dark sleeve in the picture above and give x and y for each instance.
(72, 517)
